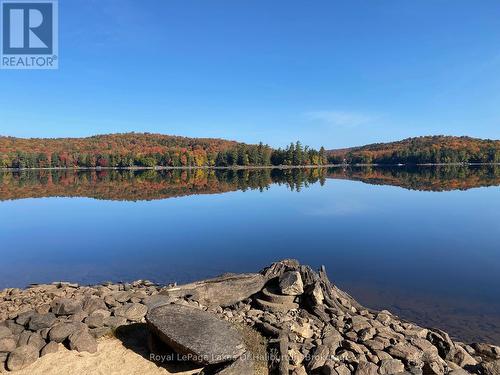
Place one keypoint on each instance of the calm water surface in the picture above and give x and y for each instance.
(423, 243)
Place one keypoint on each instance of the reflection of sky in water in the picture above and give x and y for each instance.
(387, 238)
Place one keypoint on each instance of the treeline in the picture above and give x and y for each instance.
(147, 150)
(421, 150)
(294, 154)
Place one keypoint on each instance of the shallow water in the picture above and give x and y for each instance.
(421, 242)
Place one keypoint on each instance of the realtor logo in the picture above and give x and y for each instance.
(29, 34)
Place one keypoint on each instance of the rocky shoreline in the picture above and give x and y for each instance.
(309, 325)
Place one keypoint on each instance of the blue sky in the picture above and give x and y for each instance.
(333, 73)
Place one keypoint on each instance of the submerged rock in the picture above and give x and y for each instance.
(195, 333)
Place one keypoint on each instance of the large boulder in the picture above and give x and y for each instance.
(220, 291)
(195, 333)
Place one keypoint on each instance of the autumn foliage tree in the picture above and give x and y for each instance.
(146, 150)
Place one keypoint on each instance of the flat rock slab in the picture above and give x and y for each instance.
(220, 291)
(200, 336)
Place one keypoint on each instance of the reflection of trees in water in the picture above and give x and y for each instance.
(428, 178)
(161, 184)
(148, 184)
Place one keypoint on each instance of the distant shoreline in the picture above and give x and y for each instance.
(248, 167)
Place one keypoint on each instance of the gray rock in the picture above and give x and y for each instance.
(317, 295)
(22, 357)
(194, 332)
(277, 268)
(433, 368)
(14, 327)
(82, 341)
(132, 311)
(441, 340)
(62, 331)
(95, 321)
(65, 306)
(8, 344)
(366, 334)
(406, 351)
(158, 300)
(110, 301)
(36, 341)
(91, 304)
(51, 347)
(366, 368)
(23, 338)
(486, 350)
(44, 333)
(462, 358)
(319, 358)
(114, 321)
(276, 307)
(343, 370)
(391, 366)
(221, 291)
(24, 318)
(122, 297)
(271, 295)
(360, 323)
(352, 346)
(332, 338)
(5, 332)
(41, 321)
(290, 283)
(78, 317)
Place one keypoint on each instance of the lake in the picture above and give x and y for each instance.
(421, 242)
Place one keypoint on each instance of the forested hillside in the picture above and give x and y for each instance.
(147, 150)
(150, 150)
(421, 150)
